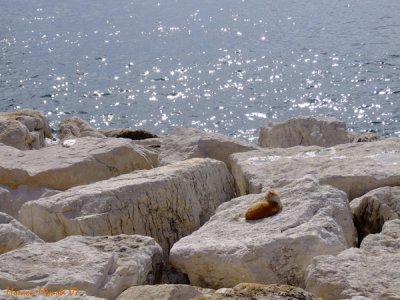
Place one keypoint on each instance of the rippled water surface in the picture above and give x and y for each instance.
(225, 65)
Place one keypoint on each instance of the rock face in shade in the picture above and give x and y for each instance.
(11, 200)
(74, 127)
(163, 292)
(76, 162)
(14, 235)
(185, 143)
(228, 250)
(354, 168)
(373, 209)
(100, 266)
(371, 272)
(303, 131)
(25, 129)
(127, 133)
(166, 203)
(245, 291)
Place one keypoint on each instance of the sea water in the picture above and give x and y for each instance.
(225, 66)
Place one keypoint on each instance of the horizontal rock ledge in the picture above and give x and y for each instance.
(353, 168)
(81, 161)
(166, 203)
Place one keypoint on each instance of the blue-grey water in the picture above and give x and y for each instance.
(226, 66)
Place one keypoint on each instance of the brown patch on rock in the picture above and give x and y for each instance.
(266, 208)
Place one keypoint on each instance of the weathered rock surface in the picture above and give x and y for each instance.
(371, 272)
(81, 161)
(42, 293)
(127, 133)
(373, 209)
(228, 249)
(11, 200)
(14, 235)
(100, 266)
(166, 203)
(25, 129)
(354, 168)
(185, 143)
(356, 137)
(303, 131)
(74, 127)
(246, 291)
(163, 292)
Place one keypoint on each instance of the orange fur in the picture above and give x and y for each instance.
(263, 209)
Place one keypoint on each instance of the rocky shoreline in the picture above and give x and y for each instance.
(126, 214)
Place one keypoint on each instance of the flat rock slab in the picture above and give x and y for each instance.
(373, 209)
(186, 143)
(353, 168)
(228, 250)
(246, 291)
(371, 272)
(76, 162)
(100, 266)
(163, 292)
(14, 235)
(166, 203)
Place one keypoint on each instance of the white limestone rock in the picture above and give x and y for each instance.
(74, 127)
(163, 292)
(11, 200)
(14, 235)
(166, 203)
(84, 161)
(354, 168)
(228, 250)
(303, 131)
(371, 272)
(43, 293)
(100, 266)
(24, 129)
(246, 291)
(373, 209)
(185, 143)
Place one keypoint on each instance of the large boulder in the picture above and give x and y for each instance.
(74, 127)
(228, 250)
(246, 291)
(75, 162)
(14, 235)
(100, 266)
(371, 272)
(185, 143)
(354, 168)
(11, 200)
(303, 131)
(166, 203)
(373, 209)
(24, 129)
(163, 292)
